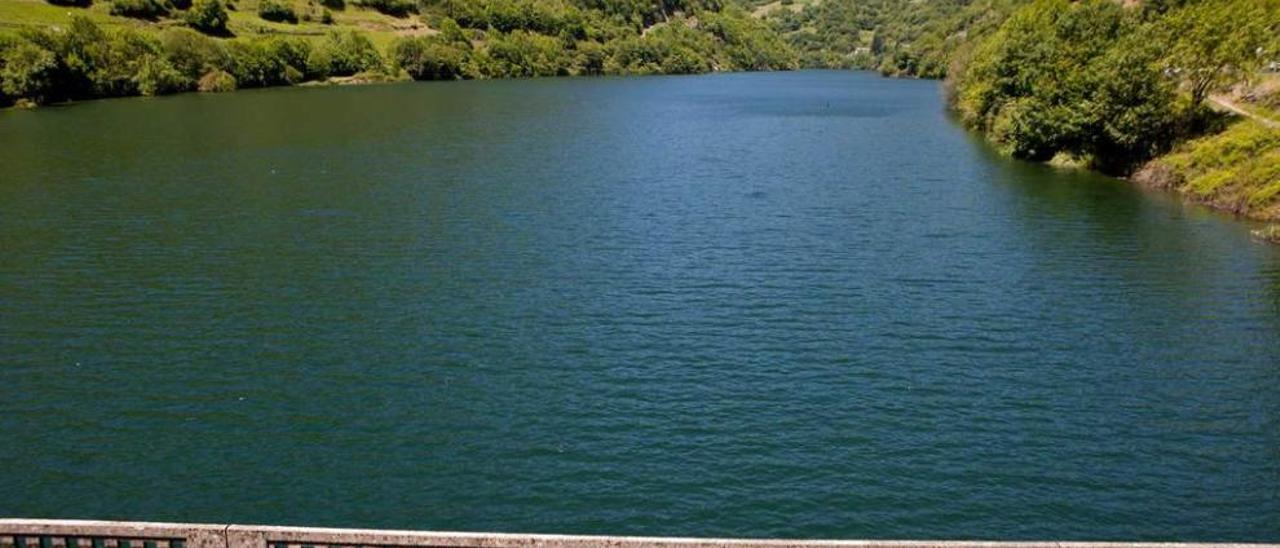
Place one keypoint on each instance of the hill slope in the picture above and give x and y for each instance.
(99, 48)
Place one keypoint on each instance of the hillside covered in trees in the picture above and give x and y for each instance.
(80, 49)
(1124, 87)
(897, 37)
(1132, 88)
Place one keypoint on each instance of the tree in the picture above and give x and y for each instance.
(157, 77)
(427, 58)
(1215, 43)
(1081, 78)
(26, 71)
(343, 54)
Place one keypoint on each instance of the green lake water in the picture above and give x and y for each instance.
(765, 305)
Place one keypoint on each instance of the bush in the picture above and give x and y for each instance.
(208, 16)
(452, 33)
(140, 9)
(334, 4)
(343, 54)
(95, 63)
(73, 3)
(180, 4)
(272, 62)
(750, 44)
(216, 81)
(669, 49)
(394, 8)
(272, 10)
(524, 54)
(27, 71)
(427, 58)
(193, 54)
(156, 76)
(591, 58)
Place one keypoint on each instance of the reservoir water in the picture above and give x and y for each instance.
(765, 305)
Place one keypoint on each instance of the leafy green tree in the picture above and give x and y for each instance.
(156, 76)
(1214, 43)
(343, 54)
(193, 54)
(452, 33)
(428, 58)
(591, 58)
(1133, 109)
(27, 71)
(522, 54)
(1082, 78)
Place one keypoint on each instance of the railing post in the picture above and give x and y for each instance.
(206, 538)
(239, 536)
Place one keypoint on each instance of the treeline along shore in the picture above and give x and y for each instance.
(1135, 90)
(83, 49)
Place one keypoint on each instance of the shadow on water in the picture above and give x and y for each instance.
(1137, 245)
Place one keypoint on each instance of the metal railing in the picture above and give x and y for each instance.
(40, 533)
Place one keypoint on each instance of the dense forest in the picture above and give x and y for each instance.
(1132, 87)
(110, 48)
(1108, 85)
(896, 37)
(1137, 89)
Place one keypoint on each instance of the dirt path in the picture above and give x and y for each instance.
(1229, 105)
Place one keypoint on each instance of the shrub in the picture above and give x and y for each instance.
(216, 81)
(272, 10)
(208, 16)
(343, 54)
(524, 54)
(452, 33)
(334, 4)
(193, 54)
(180, 4)
(326, 17)
(394, 8)
(289, 51)
(73, 3)
(126, 54)
(591, 58)
(156, 76)
(748, 42)
(140, 9)
(27, 71)
(272, 62)
(427, 58)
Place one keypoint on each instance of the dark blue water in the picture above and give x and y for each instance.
(764, 305)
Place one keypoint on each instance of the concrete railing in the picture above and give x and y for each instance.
(38, 533)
